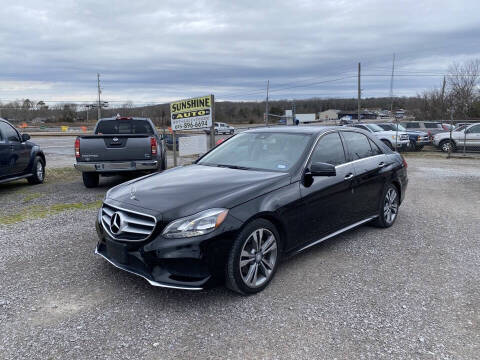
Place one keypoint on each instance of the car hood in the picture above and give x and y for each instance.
(416, 132)
(186, 190)
(389, 133)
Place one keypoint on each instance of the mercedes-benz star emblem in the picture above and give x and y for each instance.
(116, 223)
(133, 191)
(115, 139)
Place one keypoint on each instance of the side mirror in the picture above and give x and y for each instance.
(25, 137)
(322, 169)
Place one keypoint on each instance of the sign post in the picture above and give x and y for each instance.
(174, 147)
(212, 126)
(192, 114)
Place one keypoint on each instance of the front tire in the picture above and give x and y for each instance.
(388, 143)
(38, 170)
(254, 258)
(90, 180)
(389, 207)
(446, 145)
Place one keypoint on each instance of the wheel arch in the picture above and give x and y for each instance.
(275, 220)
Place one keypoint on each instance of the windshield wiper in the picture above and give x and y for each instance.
(233, 167)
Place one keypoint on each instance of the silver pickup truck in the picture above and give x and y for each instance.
(119, 145)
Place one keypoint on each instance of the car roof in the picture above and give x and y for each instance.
(296, 129)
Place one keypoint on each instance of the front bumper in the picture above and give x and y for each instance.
(122, 166)
(188, 264)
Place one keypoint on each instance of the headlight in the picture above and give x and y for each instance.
(195, 225)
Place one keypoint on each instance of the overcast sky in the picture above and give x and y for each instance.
(157, 51)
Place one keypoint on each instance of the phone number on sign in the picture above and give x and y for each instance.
(198, 123)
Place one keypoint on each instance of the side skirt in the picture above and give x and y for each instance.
(338, 232)
(15, 178)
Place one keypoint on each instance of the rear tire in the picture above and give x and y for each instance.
(90, 180)
(38, 170)
(389, 207)
(254, 258)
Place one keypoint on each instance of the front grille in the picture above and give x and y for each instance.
(404, 137)
(127, 225)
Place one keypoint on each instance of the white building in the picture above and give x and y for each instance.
(330, 114)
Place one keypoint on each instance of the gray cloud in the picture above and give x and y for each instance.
(157, 51)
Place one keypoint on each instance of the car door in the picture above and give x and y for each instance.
(369, 163)
(4, 152)
(327, 201)
(19, 152)
(472, 137)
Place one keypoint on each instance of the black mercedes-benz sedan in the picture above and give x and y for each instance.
(260, 196)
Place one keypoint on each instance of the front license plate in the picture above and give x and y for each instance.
(117, 251)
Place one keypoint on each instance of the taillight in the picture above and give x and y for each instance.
(405, 165)
(153, 145)
(77, 147)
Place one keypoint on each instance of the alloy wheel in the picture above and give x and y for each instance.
(446, 146)
(39, 171)
(258, 257)
(390, 207)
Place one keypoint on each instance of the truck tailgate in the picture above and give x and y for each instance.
(115, 148)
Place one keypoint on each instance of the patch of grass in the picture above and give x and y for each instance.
(31, 196)
(40, 212)
(61, 174)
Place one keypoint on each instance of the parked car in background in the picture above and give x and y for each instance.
(467, 136)
(430, 127)
(19, 157)
(169, 140)
(390, 138)
(222, 128)
(418, 139)
(119, 145)
(260, 196)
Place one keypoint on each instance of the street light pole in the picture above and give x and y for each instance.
(99, 91)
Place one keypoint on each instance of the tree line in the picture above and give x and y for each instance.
(457, 96)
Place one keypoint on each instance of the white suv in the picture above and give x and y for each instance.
(467, 136)
(388, 137)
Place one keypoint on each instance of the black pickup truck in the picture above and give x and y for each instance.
(19, 158)
(119, 145)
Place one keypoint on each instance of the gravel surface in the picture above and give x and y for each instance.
(410, 291)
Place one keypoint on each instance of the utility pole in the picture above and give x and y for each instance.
(391, 102)
(443, 96)
(266, 105)
(391, 85)
(99, 106)
(359, 94)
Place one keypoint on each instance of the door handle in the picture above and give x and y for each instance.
(348, 176)
(382, 164)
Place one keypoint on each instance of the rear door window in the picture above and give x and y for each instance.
(413, 126)
(358, 145)
(474, 129)
(433, 126)
(122, 126)
(375, 149)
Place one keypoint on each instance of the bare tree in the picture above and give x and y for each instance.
(463, 80)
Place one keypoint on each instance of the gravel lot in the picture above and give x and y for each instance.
(411, 291)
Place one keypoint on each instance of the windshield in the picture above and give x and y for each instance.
(259, 151)
(461, 128)
(374, 127)
(122, 126)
